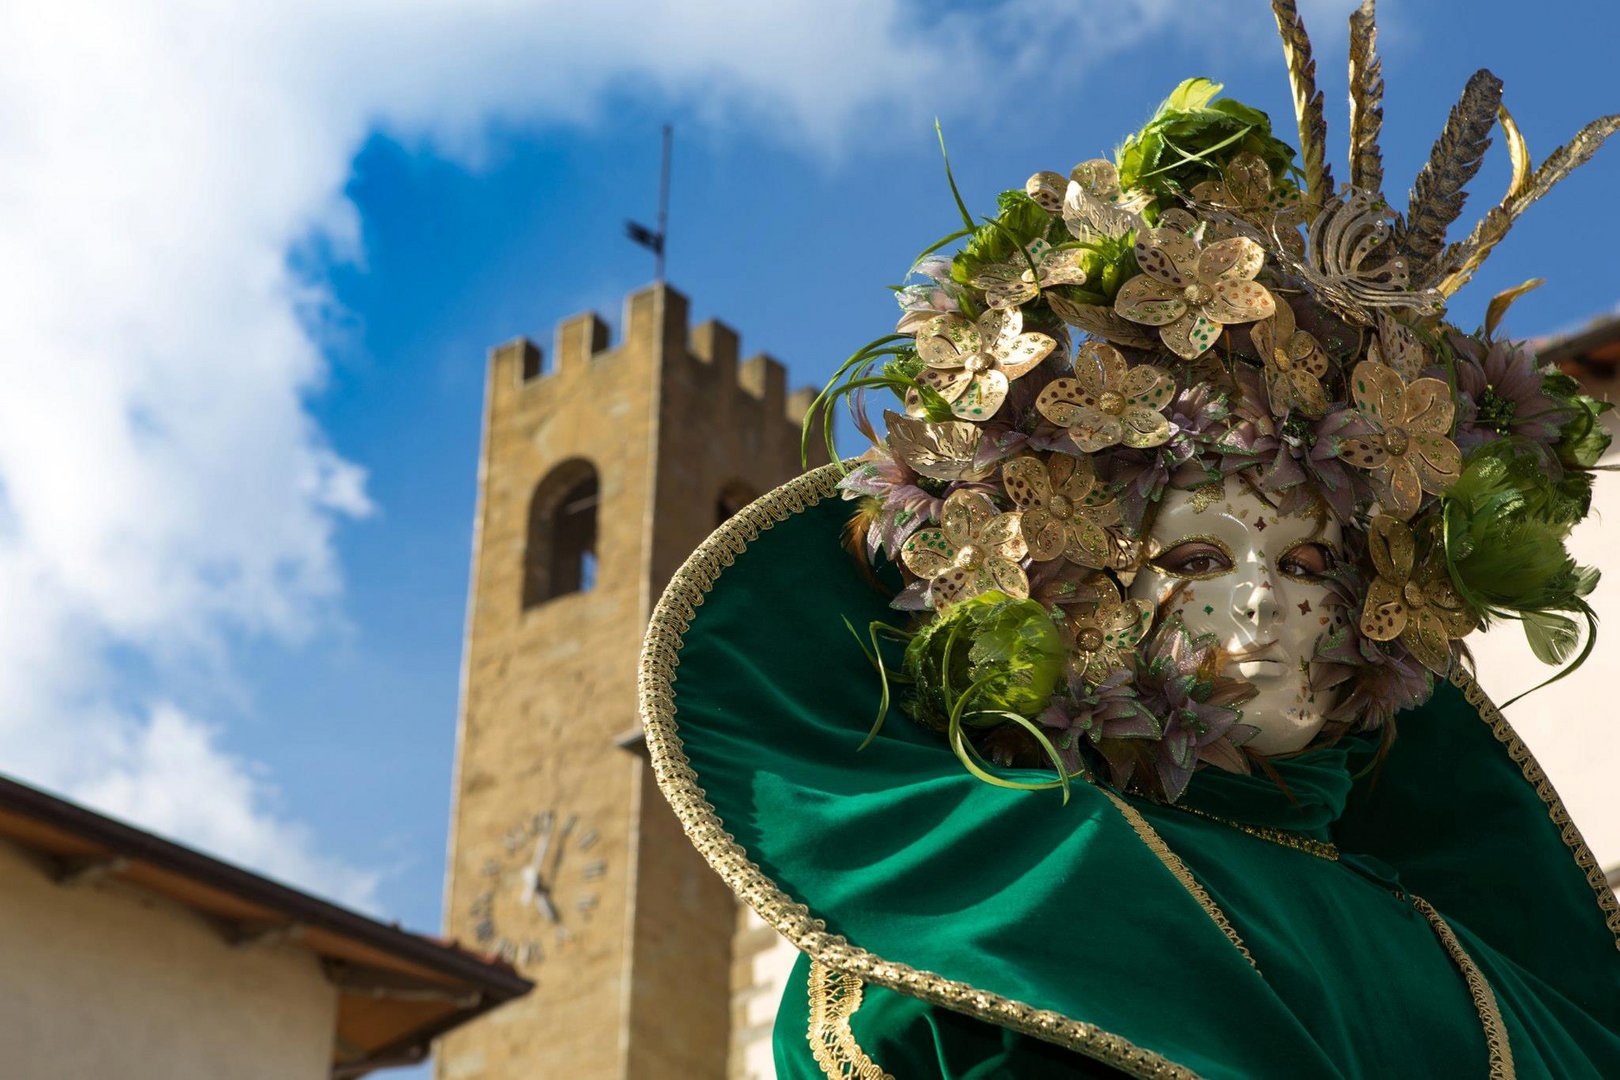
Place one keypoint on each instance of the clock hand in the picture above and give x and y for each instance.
(542, 900)
(540, 848)
(537, 893)
(562, 842)
(531, 873)
(535, 887)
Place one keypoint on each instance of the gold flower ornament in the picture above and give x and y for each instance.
(1089, 198)
(1410, 450)
(1419, 606)
(1065, 512)
(1190, 292)
(1247, 190)
(1294, 364)
(945, 451)
(971, 364)
(1106, 634)
(975, 549)
(1398, 347)
(1108, 402)
(1018, 281)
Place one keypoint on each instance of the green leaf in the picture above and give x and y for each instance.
(1246, 114)
(1192, 137)
(935, 408)
(1193, 94)
(1552, 637)
(1575, 664)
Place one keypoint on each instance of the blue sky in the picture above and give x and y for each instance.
(379, 210)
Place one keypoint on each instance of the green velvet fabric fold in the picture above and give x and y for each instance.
(1064, 907)
(1307, 798)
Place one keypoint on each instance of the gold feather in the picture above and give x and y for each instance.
(1366, 101)
(1457, 264)
(1498, 307)
(1437, 195)
(1518, 153)
(1307, 104)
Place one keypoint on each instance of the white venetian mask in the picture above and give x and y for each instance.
(1231, 566)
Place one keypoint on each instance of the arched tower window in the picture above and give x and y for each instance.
(560, 555)
(733, 497)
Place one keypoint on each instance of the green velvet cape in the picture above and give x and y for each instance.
(1465, 930)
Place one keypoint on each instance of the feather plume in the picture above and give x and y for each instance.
(1366, 101)
(1437, 195)
(1457, 263)
(1307, 104)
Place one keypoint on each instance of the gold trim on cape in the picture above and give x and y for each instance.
(659, 658)
(1520, 755)
(834, 997)
(1479, 988)
(1172, 862)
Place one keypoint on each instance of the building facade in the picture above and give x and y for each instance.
(598, 475)
(107, 982)
(124, 954)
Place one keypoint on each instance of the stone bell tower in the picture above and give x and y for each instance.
(598, 475)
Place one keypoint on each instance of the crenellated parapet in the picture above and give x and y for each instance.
(579, 339)
(656, 334)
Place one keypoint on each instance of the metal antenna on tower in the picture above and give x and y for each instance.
(653, 239)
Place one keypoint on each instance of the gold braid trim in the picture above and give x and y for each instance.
(1520, 754)
(834, 997)
(656, 684)
(1322, 849)
(1172, 862)
(1479, 988)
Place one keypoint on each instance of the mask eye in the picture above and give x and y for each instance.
(1194, 559)
(1307, 561)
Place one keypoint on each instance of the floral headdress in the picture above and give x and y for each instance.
(1208, 304)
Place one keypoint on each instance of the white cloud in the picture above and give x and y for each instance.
(163, 486)
(171, 774)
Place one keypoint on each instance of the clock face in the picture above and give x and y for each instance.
(537, 897)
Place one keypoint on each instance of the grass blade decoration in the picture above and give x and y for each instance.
(961, 207)
(975, 762)
(1366, 101)
(874, 656)
(952, 238)
(1307, 104)
(848, 378)
(1437, 194)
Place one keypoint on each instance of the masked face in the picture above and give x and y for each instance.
(1234, 568)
